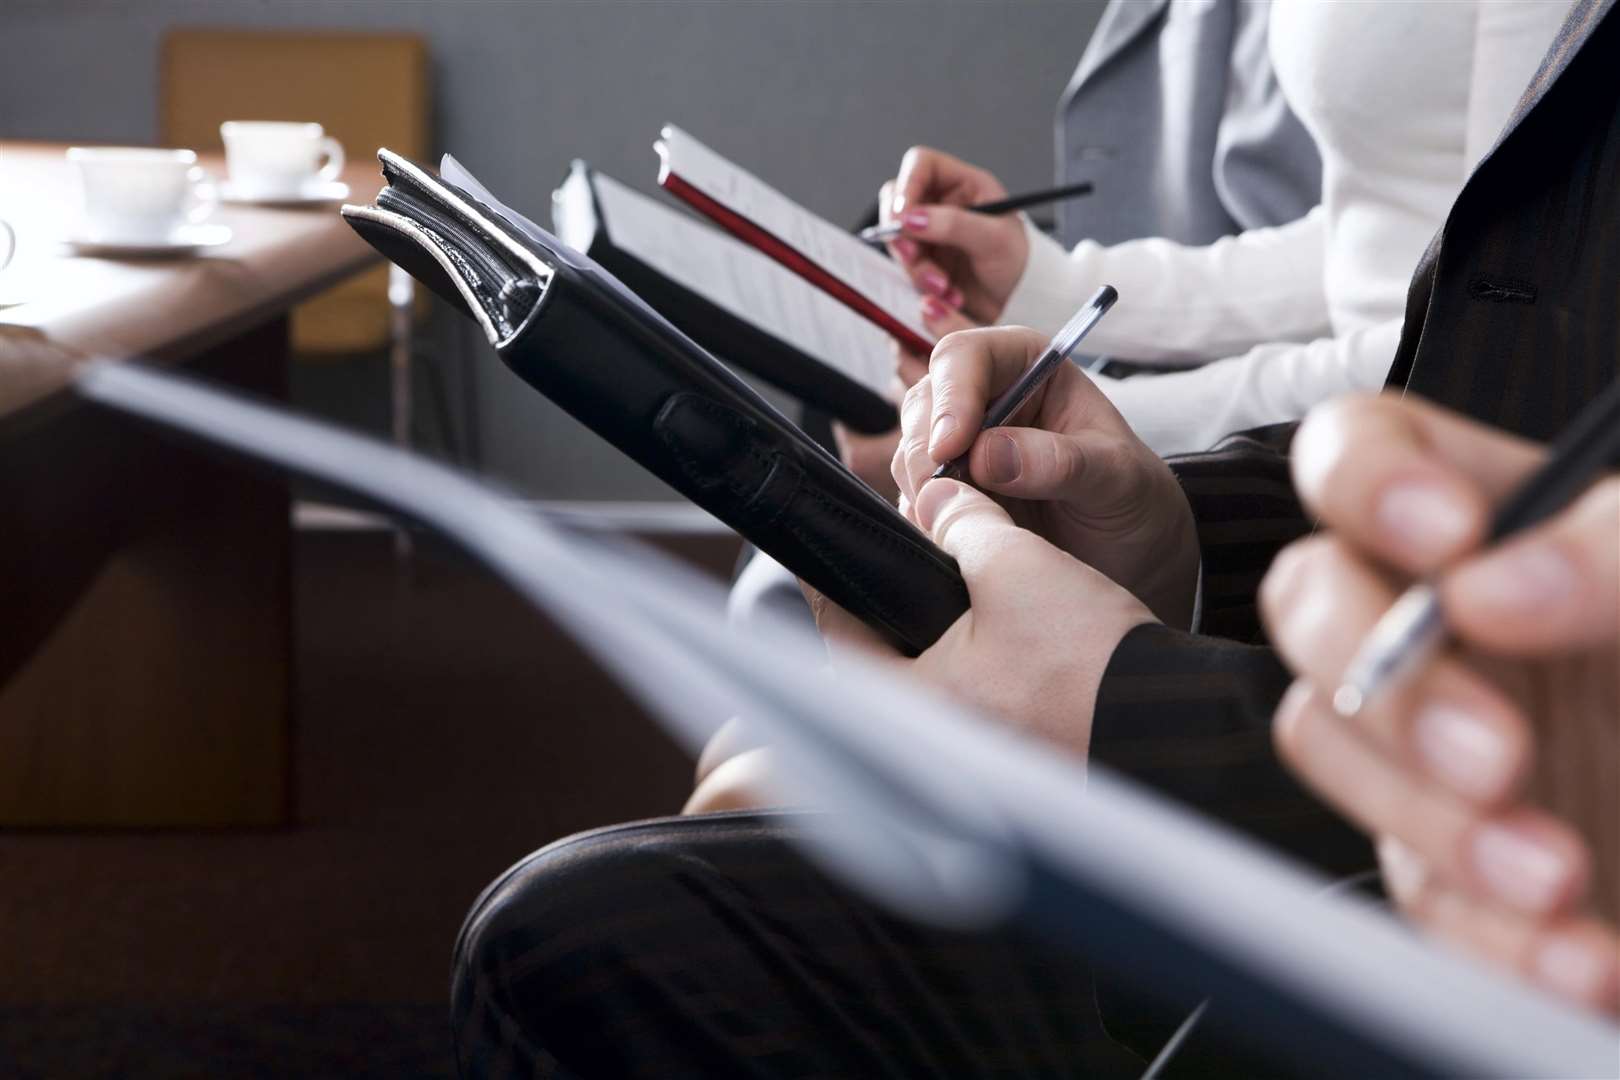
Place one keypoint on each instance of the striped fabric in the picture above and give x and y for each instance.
(1513, 317)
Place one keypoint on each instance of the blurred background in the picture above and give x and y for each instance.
(435, 729)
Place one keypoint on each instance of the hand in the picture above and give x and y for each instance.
(1031, 650)
(1042, 627)
(1493, 776)
(968, 261)
(1071, 471)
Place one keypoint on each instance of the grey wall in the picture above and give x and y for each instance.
(819, 97)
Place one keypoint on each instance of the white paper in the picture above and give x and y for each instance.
(734, 277)
(943, 812)
(833, 249)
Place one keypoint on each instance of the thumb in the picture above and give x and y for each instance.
(968, 524)
(1095, 469)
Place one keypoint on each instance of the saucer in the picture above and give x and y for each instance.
(315, 194)
(186, 239)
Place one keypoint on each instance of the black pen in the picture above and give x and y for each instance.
(1002, 409)
(878, 234)
(1414, 627)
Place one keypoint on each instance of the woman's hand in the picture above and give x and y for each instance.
(1069, 468)
(968, 262)
(1492, 777)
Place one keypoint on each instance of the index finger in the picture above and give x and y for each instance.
(968, 369)
(1404, 480)
(932, 176)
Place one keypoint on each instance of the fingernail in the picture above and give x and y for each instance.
(1001, 459)
(1524, 577)
(935, 282)
(934, 308)
(1574, 968)
(1459, 748)
(943, 426)
(906, 249)
(1427, 520)
(914, 219)
(930, 497)
(1517, 868)
(954, 299)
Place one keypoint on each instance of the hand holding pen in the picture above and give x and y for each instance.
(1511, 555)
(965, 260)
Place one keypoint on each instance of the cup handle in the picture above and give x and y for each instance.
(204, 195)
(334, 160)
(8, 236)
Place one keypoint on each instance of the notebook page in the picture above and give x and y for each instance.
(834, 250)
(742, 281)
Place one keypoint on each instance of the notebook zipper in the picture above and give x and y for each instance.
(507, 296)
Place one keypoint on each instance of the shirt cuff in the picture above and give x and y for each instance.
(1044, 297)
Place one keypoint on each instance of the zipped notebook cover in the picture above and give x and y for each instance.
(577, 335)
(732, 299)
(817, 250)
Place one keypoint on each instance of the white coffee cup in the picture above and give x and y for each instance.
(274, 159)
(133, 195)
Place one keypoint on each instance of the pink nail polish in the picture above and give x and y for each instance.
(914, 219)
(935, 282)
(955, 299)
(906, 249)
(933, 309)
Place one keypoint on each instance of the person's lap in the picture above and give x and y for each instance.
(707, 947)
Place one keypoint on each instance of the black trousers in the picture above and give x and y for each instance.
(708, 947)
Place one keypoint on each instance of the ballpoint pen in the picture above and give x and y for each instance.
(1414, 627)
(877, 234)
(1002, 409)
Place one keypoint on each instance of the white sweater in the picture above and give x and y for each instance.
(1403, 99)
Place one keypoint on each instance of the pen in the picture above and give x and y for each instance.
(1001, 410)
(878, 234)
(1415, 627)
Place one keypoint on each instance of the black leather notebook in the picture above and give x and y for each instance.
(732, 299)
(579, 336)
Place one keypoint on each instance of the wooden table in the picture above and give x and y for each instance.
(145, 588)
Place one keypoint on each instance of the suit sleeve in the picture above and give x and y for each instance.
(1189, 715)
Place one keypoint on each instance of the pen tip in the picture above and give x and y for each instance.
(1347, 700)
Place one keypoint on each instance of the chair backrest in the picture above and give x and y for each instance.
(368, 90)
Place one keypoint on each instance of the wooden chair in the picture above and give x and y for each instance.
(368, 90)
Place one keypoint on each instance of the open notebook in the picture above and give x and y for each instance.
(828, 257)
(948, 817)
(731, 298)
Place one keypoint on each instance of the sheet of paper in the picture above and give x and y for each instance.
(838, 252)
(945, 814)
(734, 277)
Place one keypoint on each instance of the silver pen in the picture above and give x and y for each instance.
(1414, 627)
(1002, 409)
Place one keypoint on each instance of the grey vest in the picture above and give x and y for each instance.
(1176, 116)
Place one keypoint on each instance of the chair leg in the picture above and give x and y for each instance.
(401, 319)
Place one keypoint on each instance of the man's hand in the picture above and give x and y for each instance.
(966, 261)
(1493, 776)
(1069, 468)
(1042, 627)
(1030, 651)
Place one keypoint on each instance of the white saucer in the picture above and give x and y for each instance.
(184, 240)
(316, 194)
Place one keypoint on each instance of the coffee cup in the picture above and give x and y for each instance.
(274, 159)
(132, 195)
